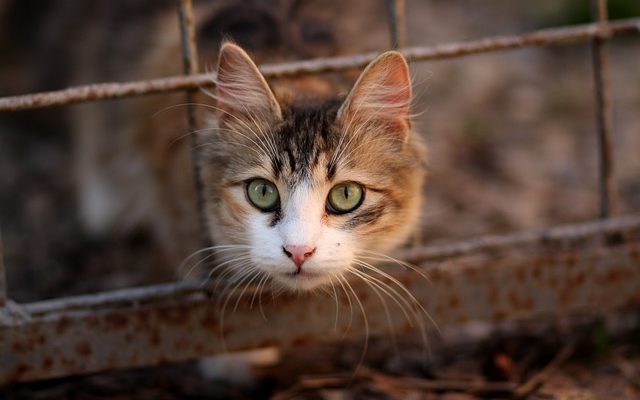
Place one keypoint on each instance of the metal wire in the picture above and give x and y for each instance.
(397, 23)
(495, 243)
(106, 91)
(190, 67)
(604, 117)
(3, 276)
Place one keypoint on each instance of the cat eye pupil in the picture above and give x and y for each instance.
(344, 198)
(263, 194)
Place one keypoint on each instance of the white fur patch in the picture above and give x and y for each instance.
(301, 225)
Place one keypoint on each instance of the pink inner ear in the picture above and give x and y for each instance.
(399, 97)
(383, 94)
(241, 91)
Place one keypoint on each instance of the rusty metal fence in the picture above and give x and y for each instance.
(586, 268)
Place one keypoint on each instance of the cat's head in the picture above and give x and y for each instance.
(302, 192)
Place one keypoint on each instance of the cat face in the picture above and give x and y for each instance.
(302, 193)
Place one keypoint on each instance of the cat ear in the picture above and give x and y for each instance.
(241, 91)
(382, 95)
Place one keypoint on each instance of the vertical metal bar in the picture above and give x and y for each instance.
(190, 67)
(608, 189)
(3, 279)
(397, 23)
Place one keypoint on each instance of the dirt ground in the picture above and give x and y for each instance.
(512, 145)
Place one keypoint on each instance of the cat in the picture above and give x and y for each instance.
(297, 190)
(294, 192)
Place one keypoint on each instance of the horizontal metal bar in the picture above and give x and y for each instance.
(564, 234)
(589, 268)
(105, 91)
(493, 243)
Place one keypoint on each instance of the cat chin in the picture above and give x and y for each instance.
(301, 282)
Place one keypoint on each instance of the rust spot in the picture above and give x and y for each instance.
(454, 302)
(19, 347)
(181, 344)
(493, 296)
(41, 340)
(117, 321)
(91, 320)
(537, 271)
(579, 279)
(67, 363)
(199, 348)
(62, 325)
(47, 363)
(498, 315)
(143, 318)
(175, 316)
(83, 349)
(446, 280)
(521, 274)
(154, 338)
(210, 321)
(614, 275)
(514, 300)
(564, 297)
(472, 273)
(572, 260)
(527, 304)
(20, 371)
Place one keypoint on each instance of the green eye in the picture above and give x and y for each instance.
(263, 194)
(345, 197)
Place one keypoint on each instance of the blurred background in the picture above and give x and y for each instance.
(511, 137)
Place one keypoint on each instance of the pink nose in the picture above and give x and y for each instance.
(298, 254)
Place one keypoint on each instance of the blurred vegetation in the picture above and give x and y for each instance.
(571, 12)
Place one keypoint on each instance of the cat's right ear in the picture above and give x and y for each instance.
(241, 92)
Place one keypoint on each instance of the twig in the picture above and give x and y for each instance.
(545, 373)
(395, 383)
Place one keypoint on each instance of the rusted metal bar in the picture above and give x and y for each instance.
(146, 326)
(3, 276)
(604, 116)
(107, 91)
(190, 67)
(189, 50)
(492, 243)
(397, 23)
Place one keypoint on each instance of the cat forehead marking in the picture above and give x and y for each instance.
(305, 135)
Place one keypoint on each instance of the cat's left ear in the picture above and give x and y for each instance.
(241, 91)
(382, 95)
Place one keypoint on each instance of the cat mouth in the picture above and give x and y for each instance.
(307, 279)
(302, 274)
